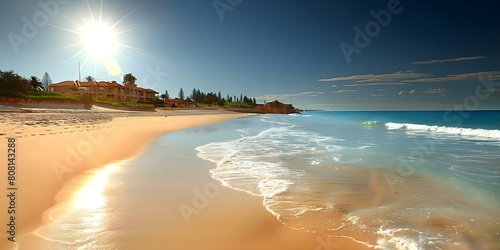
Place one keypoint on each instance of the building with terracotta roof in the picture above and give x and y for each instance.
(109, 90)
(177, 103)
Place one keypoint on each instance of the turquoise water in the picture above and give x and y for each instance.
(388, 180)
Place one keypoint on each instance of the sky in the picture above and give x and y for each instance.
(322, 54)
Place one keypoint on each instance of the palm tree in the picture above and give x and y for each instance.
(89, 79)
(35, 83)
(129, 78)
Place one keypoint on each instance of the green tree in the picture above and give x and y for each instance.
(46, 81)
(211, 98)
(165, 96)
(193, 94)
(129, 78)
(199, 96)
(12, 84)
(181, 94)
(89, 79)
(35, 84)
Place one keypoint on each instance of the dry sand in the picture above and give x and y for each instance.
(52, 147)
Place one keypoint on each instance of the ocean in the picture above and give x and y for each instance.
(386, 180)
(402, 180)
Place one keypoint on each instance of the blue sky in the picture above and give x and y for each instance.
(332, 55)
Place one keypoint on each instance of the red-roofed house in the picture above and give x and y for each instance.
(110, 90)
(177, 103)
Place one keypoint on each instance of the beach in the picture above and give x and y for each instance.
(57, 152)
(212, 179)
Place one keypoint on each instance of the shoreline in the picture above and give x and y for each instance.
(239, 219)
(48, 155)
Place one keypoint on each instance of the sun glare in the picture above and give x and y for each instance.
(100, 44)
(99, 40)
(91, 196)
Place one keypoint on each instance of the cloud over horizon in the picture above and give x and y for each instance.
(492, 75)
(435, 91)
(345, 91)
(371, 78)
(281, 97)
(450, 60)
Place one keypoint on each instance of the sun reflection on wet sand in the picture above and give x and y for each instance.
(91, 197)
(81, 223)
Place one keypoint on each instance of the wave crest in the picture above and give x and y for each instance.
(455, 131)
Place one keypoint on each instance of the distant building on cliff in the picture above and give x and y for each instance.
(110, 90)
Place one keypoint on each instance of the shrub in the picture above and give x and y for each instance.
(87, 100)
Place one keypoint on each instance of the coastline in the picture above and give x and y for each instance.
(49, 155)
(233, 220)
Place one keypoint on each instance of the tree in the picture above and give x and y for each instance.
(165, 96)
(181, 94)
(46, 81)
(193, 94)
(129, 79)
(35, 84)
(211, 98)
(254, 101)
(12, 84)
(199, 96)
(89, 78)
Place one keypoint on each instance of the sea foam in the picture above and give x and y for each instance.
(470, 133)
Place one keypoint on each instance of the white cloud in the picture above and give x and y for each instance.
(375, 95)
(491, 90)
(345, 91)
(411, 91)
(492, 75)
(405, 77)
(281, 97)
(401, 92)
(450, 60)
(400, 75)
(374, 84)
(435, 91)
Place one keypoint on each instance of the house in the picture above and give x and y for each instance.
(102, 89)
(178, 103)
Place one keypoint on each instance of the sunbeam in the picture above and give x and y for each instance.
(98, 40)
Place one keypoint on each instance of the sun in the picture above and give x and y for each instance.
(100, 44)
(99, 40)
